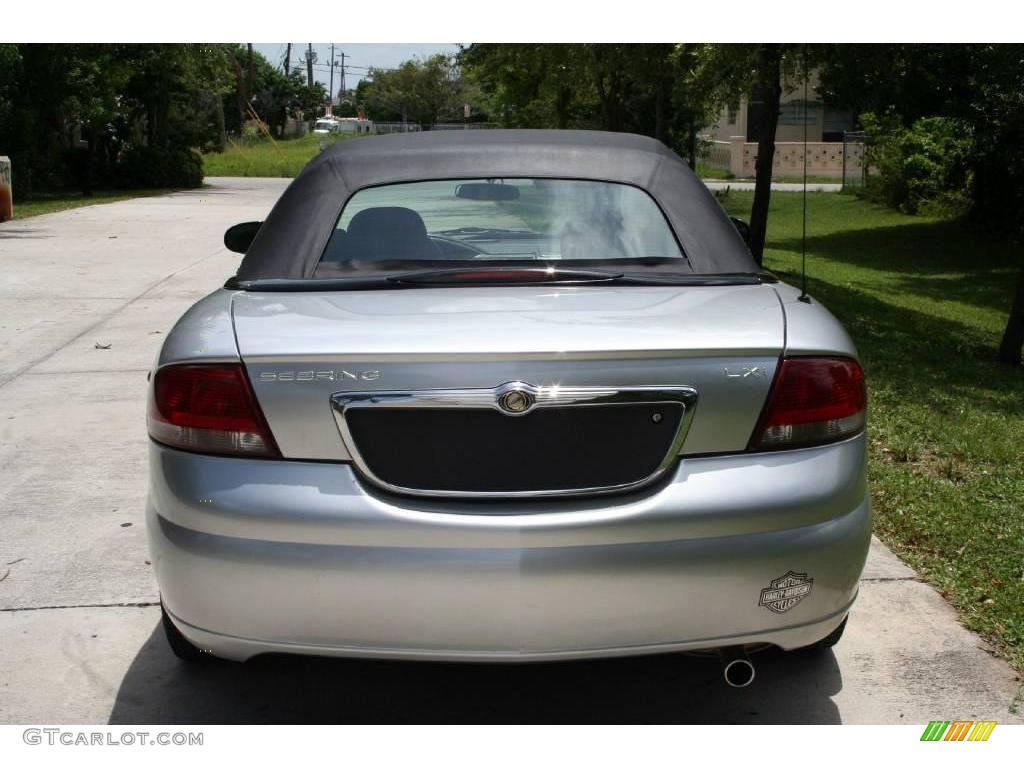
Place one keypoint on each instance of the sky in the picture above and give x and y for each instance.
(359, 55)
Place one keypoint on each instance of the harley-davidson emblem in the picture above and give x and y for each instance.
(515, 401)
(786, 591)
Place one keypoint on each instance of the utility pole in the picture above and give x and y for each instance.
(288, 60)
(309, 65)
(342, 71)
(330, 93)
(248, 86)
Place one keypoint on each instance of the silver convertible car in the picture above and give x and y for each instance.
(504, 396)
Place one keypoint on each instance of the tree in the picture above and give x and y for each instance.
(273, 95)
(644, 88)
(72, 114)
(530, 84)
(425, 91)
(979, 85)
(174, 93)
(769, 83)
(52, 89)
(696, 99)
(758, 69)
(98, 76)
(1010, 347)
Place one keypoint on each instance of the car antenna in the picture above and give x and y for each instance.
(803, 237)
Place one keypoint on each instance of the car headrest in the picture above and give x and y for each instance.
(388, 233)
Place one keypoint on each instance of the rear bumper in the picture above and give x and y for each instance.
(300, 557)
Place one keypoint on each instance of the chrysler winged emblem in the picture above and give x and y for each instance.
(786, 591)
(515, 401)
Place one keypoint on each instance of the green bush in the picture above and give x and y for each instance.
(250, 134)
(152, 167)
(920, 169)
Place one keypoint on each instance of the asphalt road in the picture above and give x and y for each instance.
(79, 634)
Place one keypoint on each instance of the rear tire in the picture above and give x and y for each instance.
(180, 645)
(826, 642)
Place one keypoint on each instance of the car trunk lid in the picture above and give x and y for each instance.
(303, 349)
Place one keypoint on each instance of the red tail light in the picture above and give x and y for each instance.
(814, 400)
(208, 408)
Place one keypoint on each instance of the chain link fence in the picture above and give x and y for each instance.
(415, 127)
(716, 155)
(855, 166)
(463, 126)
(396, 127)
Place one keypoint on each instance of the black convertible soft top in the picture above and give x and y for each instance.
(292, 239)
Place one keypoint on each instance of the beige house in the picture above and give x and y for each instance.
(733, 139)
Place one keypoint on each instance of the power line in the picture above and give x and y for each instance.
(351, 67)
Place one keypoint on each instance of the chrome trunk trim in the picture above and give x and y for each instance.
(535, 397)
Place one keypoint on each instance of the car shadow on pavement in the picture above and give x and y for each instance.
(673, 688)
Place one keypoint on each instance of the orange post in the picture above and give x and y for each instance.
(6, 194)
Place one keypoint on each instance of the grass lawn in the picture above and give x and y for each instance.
(926, 303)
(717, 174)
(811, 179)
(52, 202)
(707, 172)
(280, 158)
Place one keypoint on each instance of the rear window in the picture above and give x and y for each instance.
(500, 221)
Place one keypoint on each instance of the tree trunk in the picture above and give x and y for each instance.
(150, 123)
(90, 159)
(249, 80)
(660, 110)
(691, 146)
(1013, 336)
(606, 92)
(222, 133)
(602, 97)
(769, 71)
(562, 102)
(240, 97)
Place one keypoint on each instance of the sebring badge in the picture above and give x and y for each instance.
(786, 591)
(332, 375)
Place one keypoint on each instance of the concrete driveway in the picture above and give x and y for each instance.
(79, 634)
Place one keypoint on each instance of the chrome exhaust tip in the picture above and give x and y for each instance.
(737, 669)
